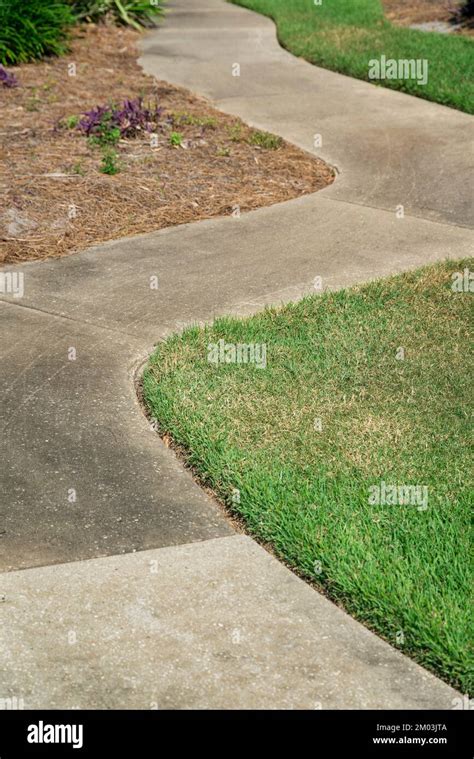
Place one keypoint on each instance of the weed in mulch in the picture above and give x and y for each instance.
(265, 140)
(176, 139)
(109, 163)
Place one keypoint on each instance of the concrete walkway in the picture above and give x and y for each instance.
(124, 583)
(391, 149)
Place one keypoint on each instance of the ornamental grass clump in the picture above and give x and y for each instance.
(33, 29)
(135, 13)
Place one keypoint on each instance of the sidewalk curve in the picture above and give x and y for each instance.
(391, 148)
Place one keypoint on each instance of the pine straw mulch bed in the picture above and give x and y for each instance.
(53, 197)
(407, 12)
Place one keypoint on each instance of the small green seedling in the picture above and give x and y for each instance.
(176, 139)
(109, 164)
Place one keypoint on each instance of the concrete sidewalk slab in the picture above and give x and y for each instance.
(214, 625)
(233, 265)
(83, 474)
(391, 148)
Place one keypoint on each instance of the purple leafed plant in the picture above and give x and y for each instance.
(133, 116)
(93, 120)
(7, 79)
(130, 118)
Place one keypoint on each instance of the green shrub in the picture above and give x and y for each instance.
(135, 13)
(32, 29)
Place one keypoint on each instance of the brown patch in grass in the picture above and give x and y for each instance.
(50, 173)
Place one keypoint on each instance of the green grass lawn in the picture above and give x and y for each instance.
(293, 447)
(344, 35)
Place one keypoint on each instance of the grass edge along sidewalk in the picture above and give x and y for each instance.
(342, 397)
(344, 36)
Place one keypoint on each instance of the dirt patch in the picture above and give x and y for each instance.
(408, 12)
(55, 200)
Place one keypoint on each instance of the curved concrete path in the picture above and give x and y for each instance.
(124, 584)
(391, 149)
